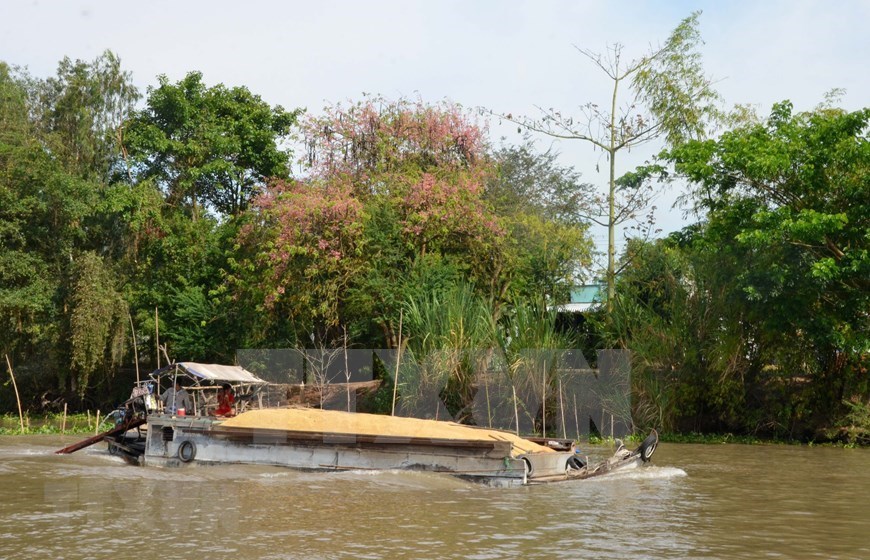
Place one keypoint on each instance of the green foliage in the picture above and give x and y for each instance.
(532, 182)
(57, 150)
(80, 113)
(179, 269)
(755, 320)
(531, 360)
(858, 422)
(450, 333)
(545, 259)
(707, 438)
(672, 84)
(543, 207)
(98, 322)
(209, 146)
(50, 424)
(191, 314)
(27, 285)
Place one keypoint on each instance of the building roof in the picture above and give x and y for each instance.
(584, 298)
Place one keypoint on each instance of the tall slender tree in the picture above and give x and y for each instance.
(664, 94)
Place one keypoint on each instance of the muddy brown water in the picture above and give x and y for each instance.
(695, 501)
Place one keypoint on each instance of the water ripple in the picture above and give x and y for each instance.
(693, 502)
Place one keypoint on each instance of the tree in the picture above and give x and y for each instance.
(80, 114)
(669, 98)
(98, 321)
(210, 147)
(207, 151)
(677, 314)
(534, 182)
(756, 318)
(27, 280)
(395, 190)
(58, 152)
(542, 206)
(791, 194)
(306, 240)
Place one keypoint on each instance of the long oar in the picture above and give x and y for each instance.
(117, 430)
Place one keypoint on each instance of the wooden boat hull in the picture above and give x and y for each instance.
(180, 441)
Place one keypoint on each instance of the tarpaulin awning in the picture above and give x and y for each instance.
(215, 372)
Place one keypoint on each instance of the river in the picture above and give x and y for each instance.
(694, 501)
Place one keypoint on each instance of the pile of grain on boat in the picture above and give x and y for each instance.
(336, 422)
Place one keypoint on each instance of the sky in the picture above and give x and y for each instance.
(510, 56)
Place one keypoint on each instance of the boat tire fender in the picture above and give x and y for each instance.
(648, 447)
(186, 451)
(575, 463)
(648, 452)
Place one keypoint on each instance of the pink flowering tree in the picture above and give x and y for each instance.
(376, 138)
(394, 190)
(448, 214)
(428, 161)
(305, 242)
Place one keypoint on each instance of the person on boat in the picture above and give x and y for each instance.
(225, 398)
(175, 398)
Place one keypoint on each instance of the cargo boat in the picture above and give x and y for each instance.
(315, 439)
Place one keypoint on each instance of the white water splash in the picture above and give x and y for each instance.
(29, 451)
(647, 473)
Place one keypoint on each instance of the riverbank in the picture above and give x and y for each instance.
(86, 423)
(751, 440)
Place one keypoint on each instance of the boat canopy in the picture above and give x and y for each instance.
(214, 372)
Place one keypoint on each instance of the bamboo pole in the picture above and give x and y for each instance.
(398, 361)
(97, 422)
(576, 417)
(17, 397)
(63, 425)
(346, 370)
(516, 408)
(562, 410)
(135, 351)
(488, 408)
(157, 334)
(544, 405)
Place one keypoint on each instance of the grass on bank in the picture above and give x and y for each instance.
(85, 423)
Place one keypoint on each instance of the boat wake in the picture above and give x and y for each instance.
(648, 472)
(403, 478)
(27, 451)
